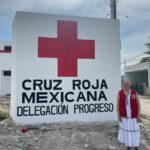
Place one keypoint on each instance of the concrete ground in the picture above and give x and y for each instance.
(69, 136)
(145, 104)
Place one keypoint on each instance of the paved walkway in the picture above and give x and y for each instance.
(145, 105)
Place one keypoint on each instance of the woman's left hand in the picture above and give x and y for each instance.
(138, 118)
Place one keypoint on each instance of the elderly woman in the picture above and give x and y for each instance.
(128, 110)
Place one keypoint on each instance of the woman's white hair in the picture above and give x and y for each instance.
(126, 81)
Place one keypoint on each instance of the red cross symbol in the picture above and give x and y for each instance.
(67, 48)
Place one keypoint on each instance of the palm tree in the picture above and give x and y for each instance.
(146, 59)
(148, 45)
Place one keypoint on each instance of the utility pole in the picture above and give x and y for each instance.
(113, 9)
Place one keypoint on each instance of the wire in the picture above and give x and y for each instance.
(133, 58)
(91, 7)
(121, 13)
(132, 17)
(98, 4)
(85, 2)
(108, 3)
(107, 15)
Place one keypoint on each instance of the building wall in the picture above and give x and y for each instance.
(27, 29)
(139, 76)
(5, 84)
(5, 64)
(149, 75)
(137, 72)
(147, 91)
(5, 43)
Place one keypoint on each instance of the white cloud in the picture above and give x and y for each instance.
(134, 33)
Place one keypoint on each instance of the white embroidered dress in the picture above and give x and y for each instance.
(129, 131)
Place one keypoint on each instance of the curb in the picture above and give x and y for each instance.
(146, 97)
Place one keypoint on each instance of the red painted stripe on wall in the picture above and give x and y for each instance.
(4, 51)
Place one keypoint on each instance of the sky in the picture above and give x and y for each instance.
(134, 16)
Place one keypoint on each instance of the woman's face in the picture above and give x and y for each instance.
(126, 84)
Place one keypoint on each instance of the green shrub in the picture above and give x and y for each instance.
(3, 115)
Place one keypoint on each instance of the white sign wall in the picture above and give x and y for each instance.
(65, 68)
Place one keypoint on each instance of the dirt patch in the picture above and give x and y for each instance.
(5, 104)
(66, 136)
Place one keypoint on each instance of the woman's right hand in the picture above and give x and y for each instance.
(119, 118)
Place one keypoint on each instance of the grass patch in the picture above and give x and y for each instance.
(3, 115)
